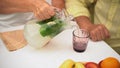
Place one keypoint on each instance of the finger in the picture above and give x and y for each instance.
(39, 14)
(51, 11)
(107, 33)
(93, 36)
(101, 33)
(97, 35)
(36, 15)
(42, 12)
(45, 15)
(45, 12)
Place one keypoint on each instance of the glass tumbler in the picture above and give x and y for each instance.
(80, 40)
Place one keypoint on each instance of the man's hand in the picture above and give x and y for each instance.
(97, 32)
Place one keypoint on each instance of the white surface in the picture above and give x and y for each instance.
(53, 54)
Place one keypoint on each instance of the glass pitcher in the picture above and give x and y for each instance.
(39, 33)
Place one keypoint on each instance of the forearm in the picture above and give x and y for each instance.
(11, 10)
(19, 4)
(97, 31)
(58, 3)
(84, 22)
(41, 9)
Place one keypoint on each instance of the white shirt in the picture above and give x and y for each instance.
(15, 19)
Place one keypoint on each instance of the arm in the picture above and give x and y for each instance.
(11, 10)
(40, 8)
(97, 31)
(58, 3)
(18, 4)
(79, 9)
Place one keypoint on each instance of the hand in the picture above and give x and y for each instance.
(98, 32)
(58, 4)
(42, 10)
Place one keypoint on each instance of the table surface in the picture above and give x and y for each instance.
(52, 55)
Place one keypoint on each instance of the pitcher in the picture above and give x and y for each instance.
(39, 33)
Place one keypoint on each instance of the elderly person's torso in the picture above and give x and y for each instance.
(107, 12)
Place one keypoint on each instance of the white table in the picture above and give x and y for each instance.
(52, 55)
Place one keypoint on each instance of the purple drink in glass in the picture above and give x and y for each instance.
(80, 40)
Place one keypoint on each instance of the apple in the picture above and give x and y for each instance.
(91, 65)
(79, 65)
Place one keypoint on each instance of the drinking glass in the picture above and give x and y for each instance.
(80, 40)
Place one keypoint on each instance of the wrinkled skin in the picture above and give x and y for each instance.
(41, 9)
(97, 32)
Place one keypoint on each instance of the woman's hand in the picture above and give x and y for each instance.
(42, 10)
(58, 4)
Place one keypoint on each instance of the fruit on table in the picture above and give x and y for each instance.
(71, 64)
(109, 62)
(91, 65)
(79, 65)
(67, 64)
